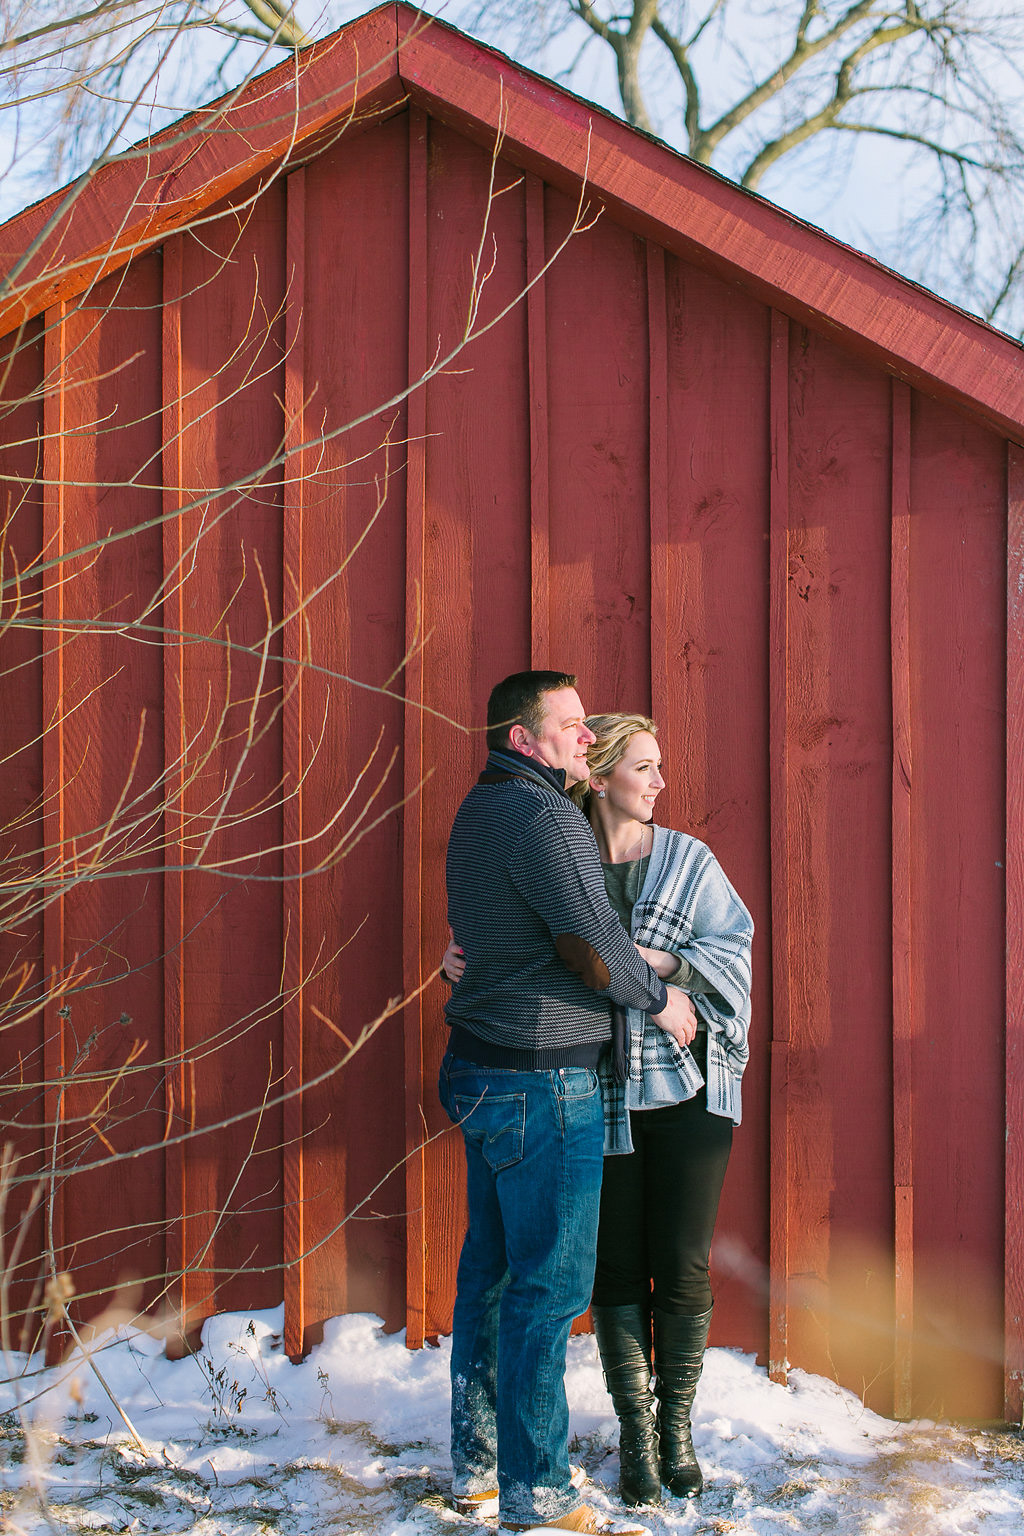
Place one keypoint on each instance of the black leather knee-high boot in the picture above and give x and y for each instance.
(624, 1341)
(679, 1345)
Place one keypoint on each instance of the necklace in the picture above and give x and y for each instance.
(635, 878)
(627, 858)
(638, 846)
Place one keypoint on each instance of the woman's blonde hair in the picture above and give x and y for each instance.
(614, 733)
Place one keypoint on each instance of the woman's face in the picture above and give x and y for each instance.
(635, 782)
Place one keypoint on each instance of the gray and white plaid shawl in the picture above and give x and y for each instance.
(688, 906)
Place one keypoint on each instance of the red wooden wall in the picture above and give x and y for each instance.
(795, 560)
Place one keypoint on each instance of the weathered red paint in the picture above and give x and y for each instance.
(722, 466)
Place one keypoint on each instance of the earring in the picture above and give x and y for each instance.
(600, 794)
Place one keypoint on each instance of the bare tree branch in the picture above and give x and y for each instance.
(767, 93)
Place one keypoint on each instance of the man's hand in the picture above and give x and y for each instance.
(454, 962)
(677, 1018)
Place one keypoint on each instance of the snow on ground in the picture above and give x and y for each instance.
(239, 1441)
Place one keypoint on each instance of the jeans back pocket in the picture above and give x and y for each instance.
(495, 1124)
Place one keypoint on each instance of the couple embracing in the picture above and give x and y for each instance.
(600, 1005)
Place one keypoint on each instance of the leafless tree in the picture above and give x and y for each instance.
(897, 124)
(76, 78)
(912, 111)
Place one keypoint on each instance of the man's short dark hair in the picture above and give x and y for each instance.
(519, 700)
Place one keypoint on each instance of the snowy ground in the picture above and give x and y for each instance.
(239, 1441)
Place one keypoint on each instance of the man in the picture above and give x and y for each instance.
(545, 955)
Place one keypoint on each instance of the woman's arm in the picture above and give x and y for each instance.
(675, 968)
(454, 962)
(660, 960)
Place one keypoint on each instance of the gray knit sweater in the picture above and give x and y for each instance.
(545, 952)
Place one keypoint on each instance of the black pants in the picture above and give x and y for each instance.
(658, 1209)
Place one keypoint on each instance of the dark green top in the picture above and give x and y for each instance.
(623, 882)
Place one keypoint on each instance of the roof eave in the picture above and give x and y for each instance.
(78, 235)
(699, 215)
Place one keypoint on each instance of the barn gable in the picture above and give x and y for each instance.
(728, 469)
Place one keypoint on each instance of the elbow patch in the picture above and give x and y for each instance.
(584, 959)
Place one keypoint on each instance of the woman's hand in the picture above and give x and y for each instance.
(454, 962)
(677, 1018)
(661, 961)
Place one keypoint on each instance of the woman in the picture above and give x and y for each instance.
(669, 1109)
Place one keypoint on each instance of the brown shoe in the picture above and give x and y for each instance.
(479, 1505)
(583, 1520)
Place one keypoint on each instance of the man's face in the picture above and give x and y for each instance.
(562, 739)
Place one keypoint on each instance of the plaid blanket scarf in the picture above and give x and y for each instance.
(688, 906)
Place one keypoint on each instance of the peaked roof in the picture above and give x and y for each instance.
(395, 56)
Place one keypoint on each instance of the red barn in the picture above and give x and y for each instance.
(400, 371)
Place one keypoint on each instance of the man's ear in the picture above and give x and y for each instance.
(520, 739)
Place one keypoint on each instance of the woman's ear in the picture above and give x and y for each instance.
(597, 787)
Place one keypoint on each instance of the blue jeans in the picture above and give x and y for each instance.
(533, 1180)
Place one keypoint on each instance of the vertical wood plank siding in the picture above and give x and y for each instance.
(182, 1287)
(1014, 1218)
(710, 636)
(112, 696)
(807, 571)
(839, 837)
(21, 708)
(354, 588)
(666, 607)
(778, 754)
(958, 662)
(902, 907)
(412, 821)
(232, 382)
(52, 966)
(540, 531)
(295, 719)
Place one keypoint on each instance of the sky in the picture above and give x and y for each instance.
(851, 185)
(237, 1441)
(865, 191)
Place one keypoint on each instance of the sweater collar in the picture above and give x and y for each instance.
(500, 760)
